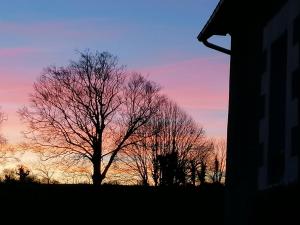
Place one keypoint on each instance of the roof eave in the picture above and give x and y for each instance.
(217, 23)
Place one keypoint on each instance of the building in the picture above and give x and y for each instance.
(264, 99)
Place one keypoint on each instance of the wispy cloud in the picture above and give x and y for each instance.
(14, 93)
(14, 52)
(15, 87)
(200, 86)
(68, 29)
(196, 83)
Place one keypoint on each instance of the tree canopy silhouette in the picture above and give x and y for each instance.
(88, 110)
(170, 141)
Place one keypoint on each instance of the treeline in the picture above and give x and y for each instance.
(171, 149)
(95, 114)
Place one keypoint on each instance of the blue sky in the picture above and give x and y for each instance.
(155, 37)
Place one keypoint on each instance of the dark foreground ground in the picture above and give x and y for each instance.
(59, 204)
(278, 205)
(86, 204)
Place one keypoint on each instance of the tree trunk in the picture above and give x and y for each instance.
(97, 177)
(96, 173)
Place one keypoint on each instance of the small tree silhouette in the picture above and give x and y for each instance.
(193, 172)
(9, 176)
(202, 173)
(23, 174)
(155, 173)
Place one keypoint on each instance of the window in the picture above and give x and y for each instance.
(277, 107)
(295, 140)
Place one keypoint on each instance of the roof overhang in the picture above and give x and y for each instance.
(218, 24)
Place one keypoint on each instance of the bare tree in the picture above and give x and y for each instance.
(76, 174)
(137, 157)
(202, 172)
(177, 139)
(200, 159)
(218, 161)
(22, 173)
(46, 172)
(89, 110)
(167, 144)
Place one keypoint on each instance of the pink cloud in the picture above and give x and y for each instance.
(213, 121)
(17, 79)
(200, 87)
(200, 83)
(15, 87)
(12, 52)
(13, 95)
(12, 127)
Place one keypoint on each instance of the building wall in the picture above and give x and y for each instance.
(278, 132)
(263, 128)
(243, 126)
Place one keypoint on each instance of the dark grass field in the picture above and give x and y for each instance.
(115, 204)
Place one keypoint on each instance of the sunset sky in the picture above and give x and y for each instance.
(157, 38)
